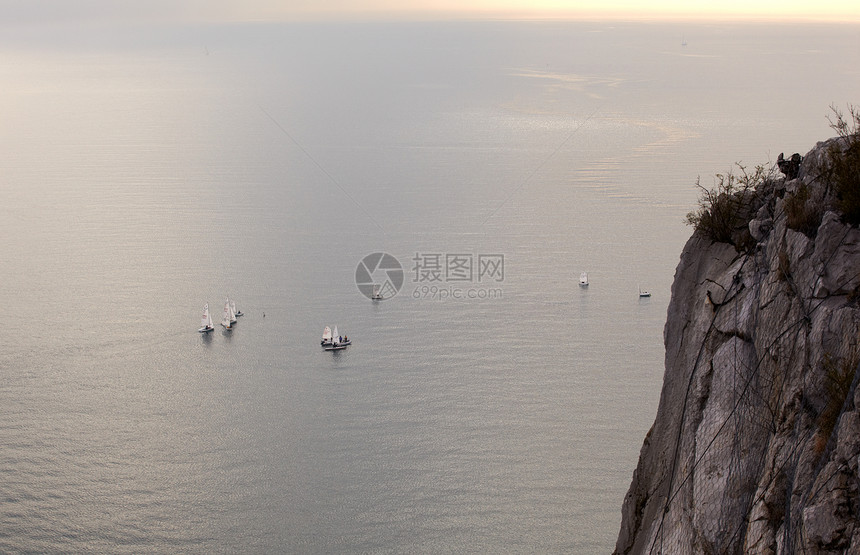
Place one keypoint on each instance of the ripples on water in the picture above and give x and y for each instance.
(142, 181)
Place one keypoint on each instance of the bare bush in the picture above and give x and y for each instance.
(726, 209)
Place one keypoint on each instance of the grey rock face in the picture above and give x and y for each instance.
(756, 444)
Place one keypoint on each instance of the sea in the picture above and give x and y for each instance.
(489, 403)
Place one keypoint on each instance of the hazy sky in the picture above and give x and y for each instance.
(34, 11)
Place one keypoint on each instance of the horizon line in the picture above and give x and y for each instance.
(407, 16)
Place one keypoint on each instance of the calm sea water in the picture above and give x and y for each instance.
(146, 171)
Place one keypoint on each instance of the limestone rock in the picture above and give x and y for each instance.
(755, 447)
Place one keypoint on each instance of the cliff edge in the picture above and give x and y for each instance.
(756, 444)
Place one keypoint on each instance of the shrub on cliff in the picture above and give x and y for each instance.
(802, 212)
(840, 377)
(725, 211)
(842, 173)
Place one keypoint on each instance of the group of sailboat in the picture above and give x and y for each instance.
(228, 318)
(333, 341)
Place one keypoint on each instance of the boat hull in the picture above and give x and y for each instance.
(329, 344)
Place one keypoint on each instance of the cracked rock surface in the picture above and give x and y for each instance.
(756, 444)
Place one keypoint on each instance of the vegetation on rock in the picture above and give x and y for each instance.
(842, 170)
(725, 210)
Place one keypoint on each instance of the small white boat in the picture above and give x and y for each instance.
(644, 293)
(377, 292)
(326, 337)
(225, 318)
(338, 342)
(583, 279)
(206, 322)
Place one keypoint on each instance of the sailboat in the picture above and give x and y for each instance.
(232, 307)
(643, 293)
(206, 322)
(326, 338)
(377, 292)
(225, 318)
(583, 279)
(236, 313)
(338, 343)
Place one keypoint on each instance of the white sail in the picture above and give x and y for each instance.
(225, 319)
(207, 320)
(335, 339)
(327, 334)
(231, 310)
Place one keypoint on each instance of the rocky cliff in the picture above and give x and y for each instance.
(756, 443)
